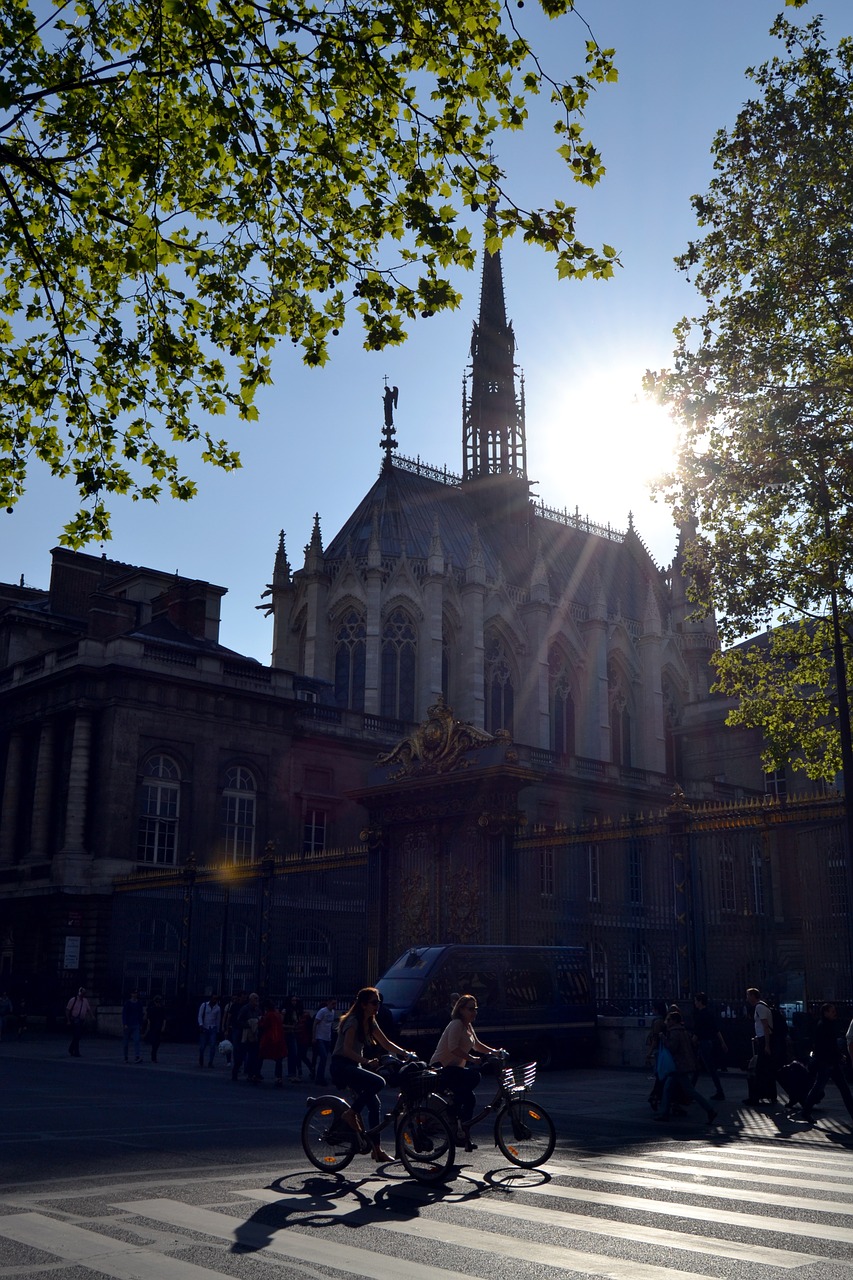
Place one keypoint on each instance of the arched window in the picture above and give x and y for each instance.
(350, 644)
(672, 740)
(620, 721)
(499, 694)
(562, 706)
(159, 808)
(399, 650)
(239, 811)
(639, 972)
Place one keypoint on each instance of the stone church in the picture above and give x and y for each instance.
(564, 633)
(177, 817)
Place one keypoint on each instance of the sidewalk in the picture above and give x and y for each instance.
(591, 1095)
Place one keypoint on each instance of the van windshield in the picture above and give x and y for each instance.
(400, 993)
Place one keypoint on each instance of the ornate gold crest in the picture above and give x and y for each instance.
(439, 744)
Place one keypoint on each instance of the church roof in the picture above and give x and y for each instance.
(583, 564)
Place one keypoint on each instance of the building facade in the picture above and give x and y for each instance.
(179, 817)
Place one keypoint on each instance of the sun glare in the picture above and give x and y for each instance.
(600, 443)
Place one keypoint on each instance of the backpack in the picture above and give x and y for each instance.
(779, 1043)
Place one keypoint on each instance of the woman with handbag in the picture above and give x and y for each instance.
(677, 1047)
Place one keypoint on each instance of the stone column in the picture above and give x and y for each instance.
(430, 638)
(373, 623)
(429, 658)
(11, 799)
(40, 828)
(469, 679)
(652, 729)
(78, 786)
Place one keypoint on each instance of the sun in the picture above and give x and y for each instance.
(599, 445)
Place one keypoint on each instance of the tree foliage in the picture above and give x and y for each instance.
(184, 182)
(762, 382)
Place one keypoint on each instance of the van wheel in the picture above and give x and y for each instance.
(544, 1055)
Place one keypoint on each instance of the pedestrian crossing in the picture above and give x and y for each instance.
(692, 1209)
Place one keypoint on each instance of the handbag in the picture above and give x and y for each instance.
(665, 1065)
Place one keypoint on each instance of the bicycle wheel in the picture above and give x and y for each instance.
(525, 1133)
(326, 1140)
(425, 1144)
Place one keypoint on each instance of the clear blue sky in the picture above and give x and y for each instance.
(592, 440)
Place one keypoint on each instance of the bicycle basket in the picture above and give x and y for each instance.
(519, 1077)
(416, 1081)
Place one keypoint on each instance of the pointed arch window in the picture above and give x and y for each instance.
(350, 651)
(399, 653)
(562, 706)
(672, 741)
(239, 811)
(620, 722)
(499, 692)
(159, 810)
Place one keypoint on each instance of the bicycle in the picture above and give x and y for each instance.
(425, 1141)
(524, 1131)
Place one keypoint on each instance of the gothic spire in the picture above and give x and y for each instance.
(493, 438)
(281, 569)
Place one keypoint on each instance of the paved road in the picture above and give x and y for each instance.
(168, 1172)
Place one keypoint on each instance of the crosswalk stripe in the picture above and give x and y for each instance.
(289, 1243)
(699, 1213)
(293, 1242)
(844, 1208)
(797, 1184)
(544, 1255)
(744, 1251)
(97, 1252)
(786, 1157)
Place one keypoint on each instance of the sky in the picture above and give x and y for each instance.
(594, 441)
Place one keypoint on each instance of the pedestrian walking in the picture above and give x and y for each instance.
(656, 1030)
(827, 1062)
(78, 1012)
(304, 1042)
(324, 1022)
(273, 1045)
(249, 1026)
(762, 1076)
(708, 1042)
(209, 1022)
(676, 1039)
(234, 1032)
(132, 1017)
(155, 1020)
(290, 1011)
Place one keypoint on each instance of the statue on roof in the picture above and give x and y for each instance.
(390, 397)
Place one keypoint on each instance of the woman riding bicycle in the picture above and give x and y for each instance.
(356, 1050)
(458, 1041)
